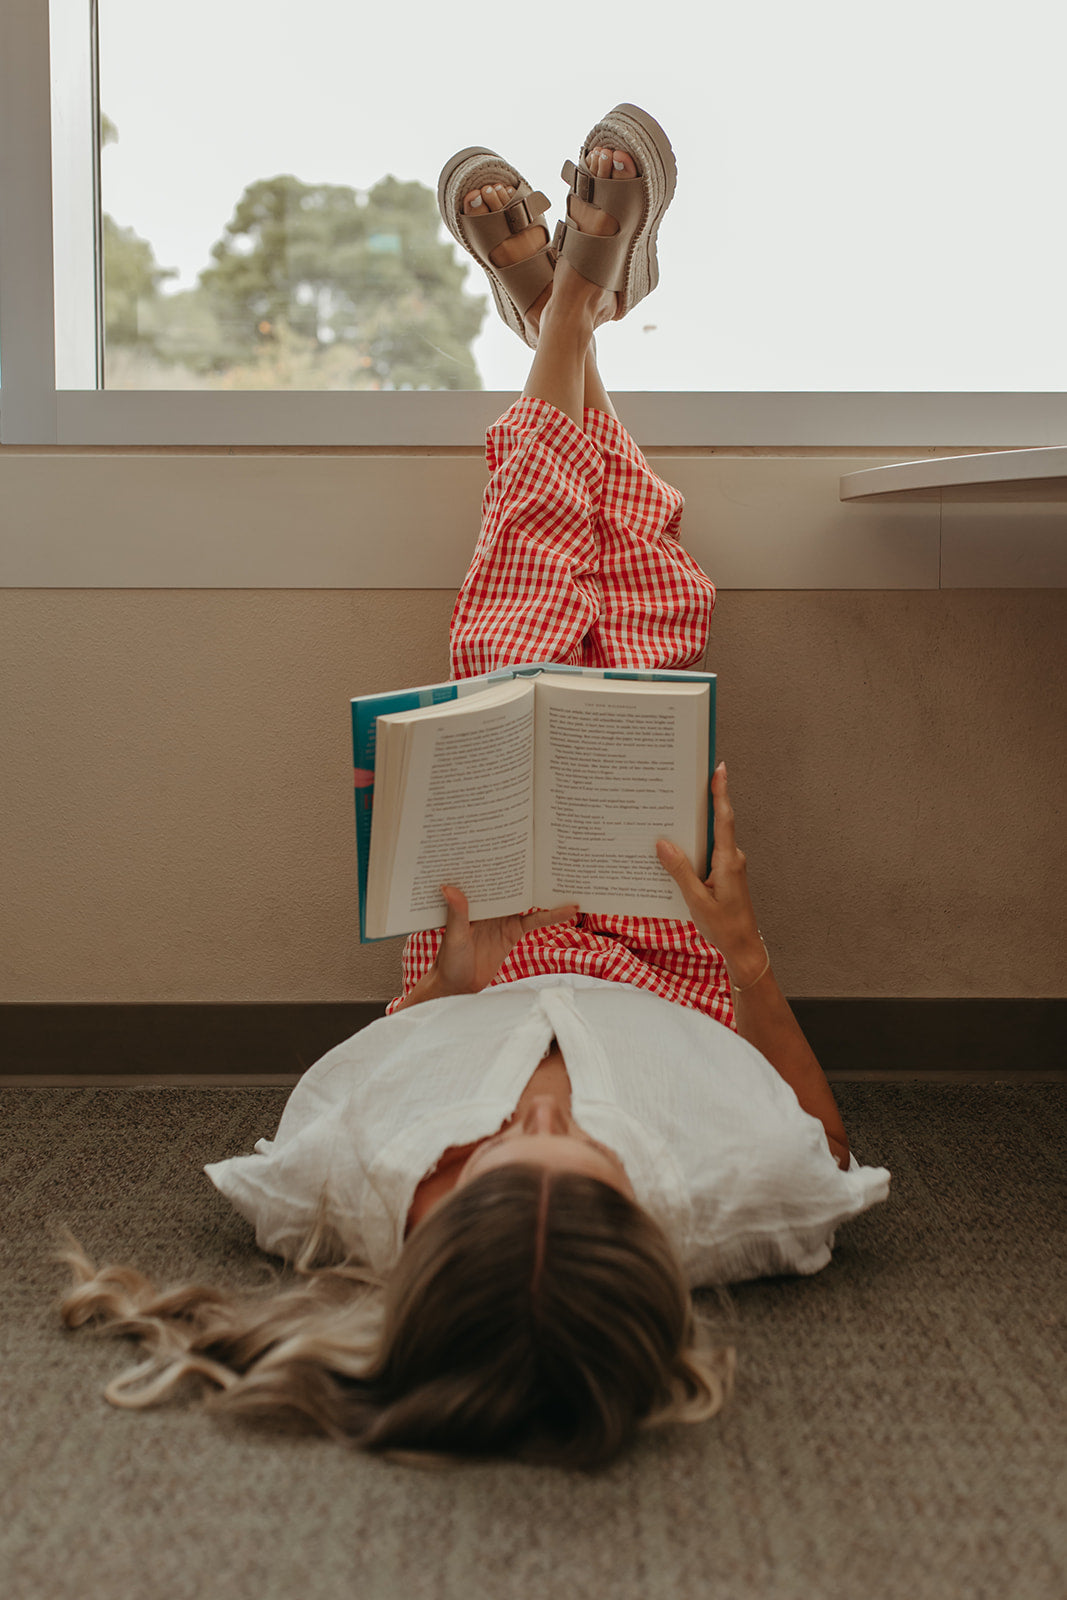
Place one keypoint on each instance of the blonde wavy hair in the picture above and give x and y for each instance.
(535, 1314)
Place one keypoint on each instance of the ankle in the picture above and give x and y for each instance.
(580, 296)
(571, 316)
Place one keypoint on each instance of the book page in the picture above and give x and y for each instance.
(463, 809)
(618, 766)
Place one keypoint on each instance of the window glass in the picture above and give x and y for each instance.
(869, 198)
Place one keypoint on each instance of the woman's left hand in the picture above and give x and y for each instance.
(472, 953)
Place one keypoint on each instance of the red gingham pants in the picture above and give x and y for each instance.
(579, 561)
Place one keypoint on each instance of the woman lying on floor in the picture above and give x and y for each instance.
(498, 1197)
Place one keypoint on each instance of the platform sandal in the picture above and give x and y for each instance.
(625, 263)
(515, 288)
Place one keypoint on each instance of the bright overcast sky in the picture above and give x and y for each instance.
(868, 199)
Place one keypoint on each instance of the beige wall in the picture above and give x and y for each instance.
(178, 821)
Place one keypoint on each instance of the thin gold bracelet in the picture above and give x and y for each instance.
(766, 968)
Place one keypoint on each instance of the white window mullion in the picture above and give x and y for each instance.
(77, 243)
(27, 297)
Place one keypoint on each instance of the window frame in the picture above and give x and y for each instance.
(34, 410)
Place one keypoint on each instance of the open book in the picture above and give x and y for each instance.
(532, 786)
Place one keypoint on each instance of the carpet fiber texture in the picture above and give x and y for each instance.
(897, 1430)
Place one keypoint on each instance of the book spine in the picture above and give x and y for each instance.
(643, 674)
(365, 714)
(711, 767)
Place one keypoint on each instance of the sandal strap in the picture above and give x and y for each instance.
(524, 280)
(491, 228)
(602, 258)
(625, 199)
(526, 210)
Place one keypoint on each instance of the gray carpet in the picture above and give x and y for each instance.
(897, 1432)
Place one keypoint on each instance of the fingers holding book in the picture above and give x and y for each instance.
(472, 953)
(721, 906)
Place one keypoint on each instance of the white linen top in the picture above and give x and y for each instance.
(713, 1140)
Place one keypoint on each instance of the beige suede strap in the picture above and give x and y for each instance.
(602, 258)
(524, 280)
(487, 229)
(625, 199)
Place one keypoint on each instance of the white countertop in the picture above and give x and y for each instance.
(940, 472)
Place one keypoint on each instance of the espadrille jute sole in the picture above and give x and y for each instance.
(515, 288)
(626, 262)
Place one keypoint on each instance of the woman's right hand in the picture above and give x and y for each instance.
(721, 907)
(472, 953)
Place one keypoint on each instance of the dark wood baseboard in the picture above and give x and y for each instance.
(193, 1040)
(909, 1036)
(853, 1037)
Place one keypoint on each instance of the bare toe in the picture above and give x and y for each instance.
(601, 163)
(491, 197)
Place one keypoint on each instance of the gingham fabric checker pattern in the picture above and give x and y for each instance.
(578, 558)
(578, 561)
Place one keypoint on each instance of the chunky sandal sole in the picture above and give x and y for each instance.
(627, 262)
(515, 288)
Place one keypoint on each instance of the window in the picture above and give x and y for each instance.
(864, 248)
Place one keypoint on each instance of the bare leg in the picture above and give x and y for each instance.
(558, 371)
(596, 397)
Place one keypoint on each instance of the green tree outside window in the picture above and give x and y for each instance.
(312, 286)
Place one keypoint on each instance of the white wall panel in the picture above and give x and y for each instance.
(380, 522)
(1004, 538)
